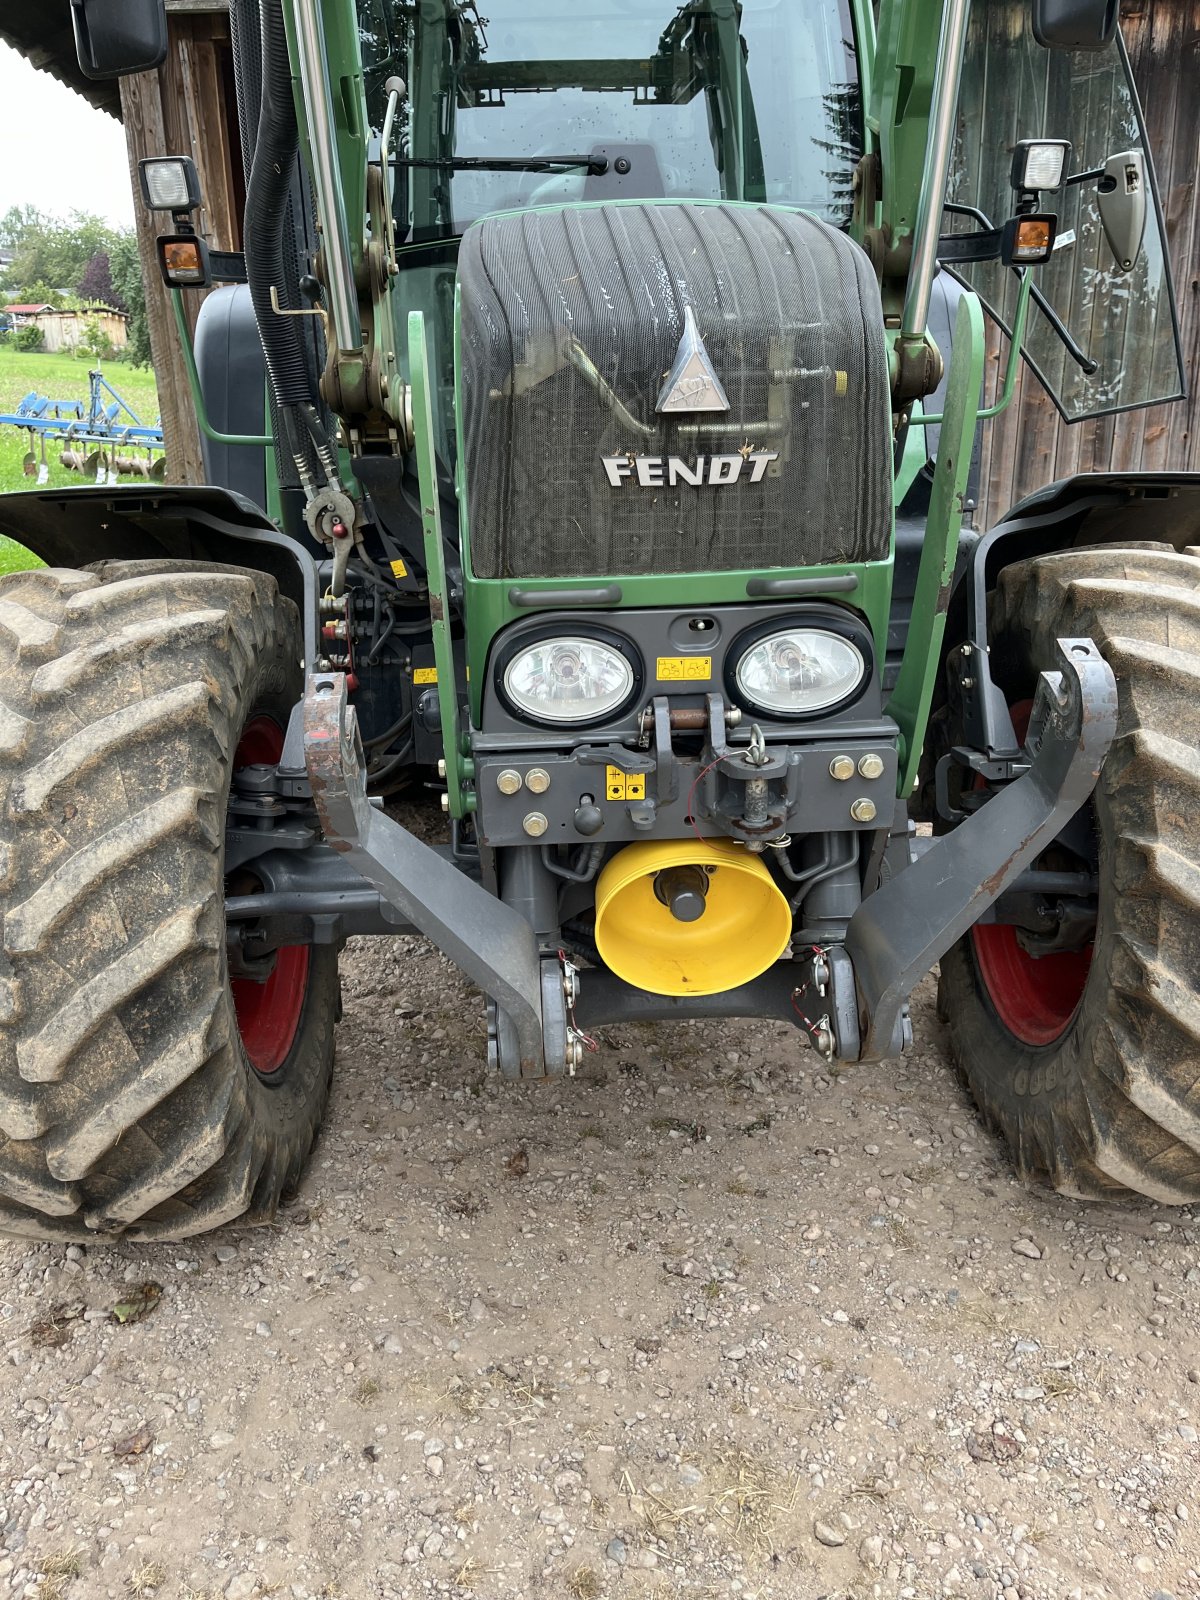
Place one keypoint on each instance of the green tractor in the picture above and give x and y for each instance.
(592, 428)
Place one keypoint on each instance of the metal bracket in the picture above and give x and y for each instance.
(898, 933)
(492, 943)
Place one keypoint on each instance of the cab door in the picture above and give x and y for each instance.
(1122, 349)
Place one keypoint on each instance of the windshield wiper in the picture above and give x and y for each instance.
(594, 166)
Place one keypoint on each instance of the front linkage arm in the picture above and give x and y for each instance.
(491, 942)
(901, 930)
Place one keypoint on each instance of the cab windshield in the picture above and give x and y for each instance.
(710, 100)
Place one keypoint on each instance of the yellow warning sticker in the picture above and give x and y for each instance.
(684, 669)
(424, 674)
(620, 785)
(399, 570)
(841, 383)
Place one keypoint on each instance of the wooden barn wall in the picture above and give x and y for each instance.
(186, 107)
(1030, 446)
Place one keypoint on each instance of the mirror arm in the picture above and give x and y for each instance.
(1084, 177)
(1077, 355)
(1080, 357)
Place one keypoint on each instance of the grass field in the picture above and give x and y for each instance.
(62, 377)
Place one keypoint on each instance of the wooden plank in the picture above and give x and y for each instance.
(222, 221)
(142, 114)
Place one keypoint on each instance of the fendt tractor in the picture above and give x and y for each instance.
(592, 427)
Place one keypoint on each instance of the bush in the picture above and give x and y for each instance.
(94, 342)
(28, 337)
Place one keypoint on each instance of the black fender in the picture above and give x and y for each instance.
(74, 527)
(1088, 509)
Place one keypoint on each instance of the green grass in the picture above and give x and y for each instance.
(62, 377)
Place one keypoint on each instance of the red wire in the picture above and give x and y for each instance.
(696, 781)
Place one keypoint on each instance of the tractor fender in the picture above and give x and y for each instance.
(1090, 508)
(76, 527)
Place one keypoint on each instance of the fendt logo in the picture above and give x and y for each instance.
(667, 472)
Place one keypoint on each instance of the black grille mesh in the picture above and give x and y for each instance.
(784, 304)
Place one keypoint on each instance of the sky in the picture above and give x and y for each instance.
(59, 154)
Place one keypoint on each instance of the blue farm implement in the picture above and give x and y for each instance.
(103, 438)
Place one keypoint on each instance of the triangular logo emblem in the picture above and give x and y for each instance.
(692, 384)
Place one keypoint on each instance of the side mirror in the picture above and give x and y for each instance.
(114, 38)
(1121, 197)
(1075, 24)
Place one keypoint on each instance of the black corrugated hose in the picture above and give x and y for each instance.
(266, 217)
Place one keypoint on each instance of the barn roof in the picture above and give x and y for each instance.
(41, 31)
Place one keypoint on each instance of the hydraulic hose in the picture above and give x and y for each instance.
(247, 73)
(266, 214)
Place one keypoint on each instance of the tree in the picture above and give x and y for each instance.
(51, 251)
(53, 257)
(126, 266)
(96, 285)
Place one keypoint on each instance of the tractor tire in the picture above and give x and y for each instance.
(129, 1100)
(1090, 1065)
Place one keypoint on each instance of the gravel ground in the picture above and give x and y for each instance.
(706, 1321)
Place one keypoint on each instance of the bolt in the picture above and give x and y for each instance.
(870, 766)
(537, 780)
(445, 802)
(863, 810)
(508, 781)
(964, 649)
(841, 768)
(441, 766)
(535, 824)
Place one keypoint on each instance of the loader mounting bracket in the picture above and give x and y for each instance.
(490, 941)
(908, 924)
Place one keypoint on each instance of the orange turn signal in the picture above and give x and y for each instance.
(183, 260)
(1028, 240)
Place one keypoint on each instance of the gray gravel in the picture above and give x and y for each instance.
(706, 1321)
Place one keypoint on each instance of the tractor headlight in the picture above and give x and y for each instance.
(569, 678)
(799, 671)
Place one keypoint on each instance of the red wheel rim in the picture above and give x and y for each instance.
(268, 1014)
(1034, 997)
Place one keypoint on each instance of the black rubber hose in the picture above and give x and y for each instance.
(246, 45)
(266, 213)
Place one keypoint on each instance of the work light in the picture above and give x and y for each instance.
(799, 671)
(568, 678)
(169, 183)
(1040, 164)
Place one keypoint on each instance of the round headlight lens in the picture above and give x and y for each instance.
(568, 679)
(800, 671)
